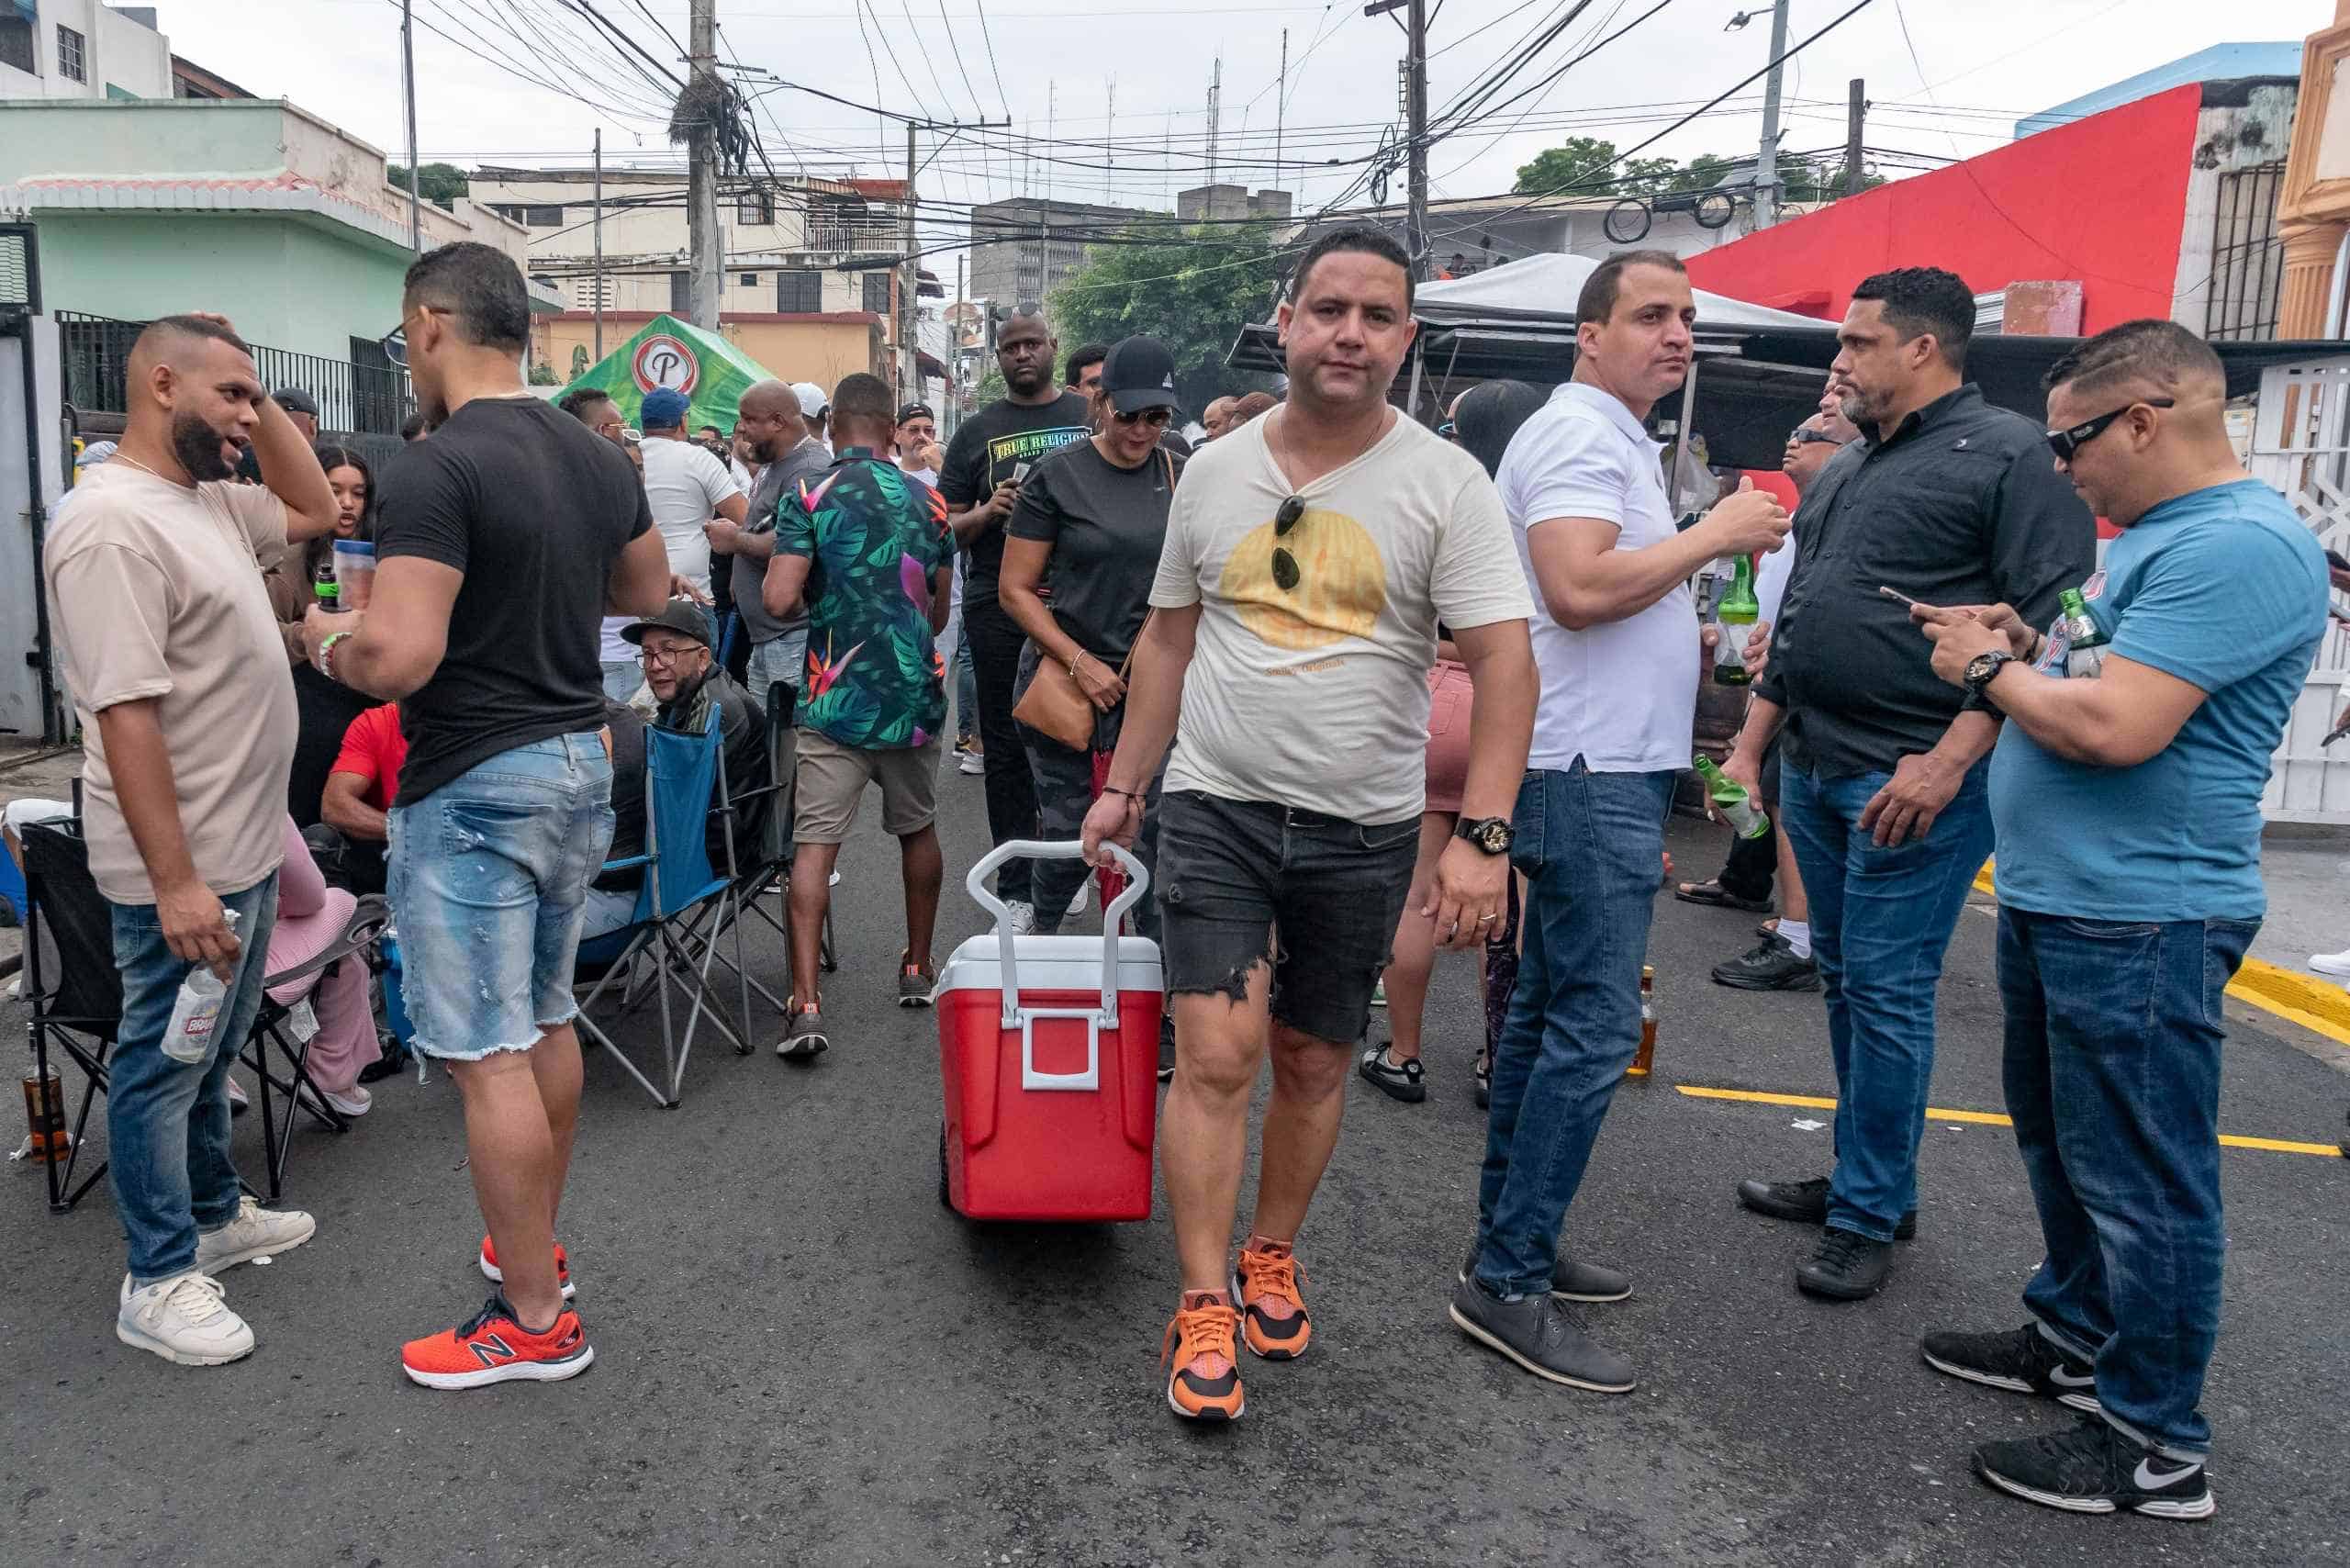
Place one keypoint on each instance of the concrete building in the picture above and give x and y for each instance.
(252, 208)
(1024, 249)
(1220, 204)
(1475, 233)
(79, 48)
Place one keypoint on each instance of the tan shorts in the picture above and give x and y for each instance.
(832, 780)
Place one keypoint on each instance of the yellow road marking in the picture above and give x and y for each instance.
(1982, 1118)
(2317, 1004)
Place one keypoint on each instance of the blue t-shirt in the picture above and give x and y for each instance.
(2226, 589)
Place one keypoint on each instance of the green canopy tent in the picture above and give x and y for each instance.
(676, 354)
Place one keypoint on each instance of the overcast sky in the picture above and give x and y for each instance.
(1953, 86)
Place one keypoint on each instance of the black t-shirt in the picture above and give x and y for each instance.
(534, 509)
(627, 795)
(1104, 526)
(988, 448)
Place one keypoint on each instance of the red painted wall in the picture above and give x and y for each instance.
(2100, 201)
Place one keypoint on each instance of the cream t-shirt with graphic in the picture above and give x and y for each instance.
(1316, 696)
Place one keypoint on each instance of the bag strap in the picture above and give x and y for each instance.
(1128, 662)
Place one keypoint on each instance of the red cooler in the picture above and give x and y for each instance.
(1048, 1048)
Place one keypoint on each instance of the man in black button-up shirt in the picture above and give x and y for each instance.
(1949, 501)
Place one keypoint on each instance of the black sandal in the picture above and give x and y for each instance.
(1711, 891)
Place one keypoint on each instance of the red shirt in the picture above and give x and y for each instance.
(374, 748)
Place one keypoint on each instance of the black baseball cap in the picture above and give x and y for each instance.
(1138, 374)
(294, 401)
(916, 411)
(679, 615)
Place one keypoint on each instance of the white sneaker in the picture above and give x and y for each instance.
(2330, 963)
(352, 1102)
(183, 1320)
(256, 1232)
(1084, 890)
(973, 763)
(1021, 915)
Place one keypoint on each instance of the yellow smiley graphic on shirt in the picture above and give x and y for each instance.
(1341, 582)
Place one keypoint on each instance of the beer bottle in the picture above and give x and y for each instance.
(2085, 645)
(50, 1142)
(1745, 818)
(1739, 612)
(1646, 1053)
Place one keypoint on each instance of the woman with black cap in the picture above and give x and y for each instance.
(1088, 528)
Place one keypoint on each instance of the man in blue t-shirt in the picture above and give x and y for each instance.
(2126, 795)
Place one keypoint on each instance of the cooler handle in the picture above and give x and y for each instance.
(1087, 1078)
(1059, 849)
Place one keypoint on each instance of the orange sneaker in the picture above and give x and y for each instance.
(1273, 1315)
(491, 1272)
(494, 1347)
(1204, 1384)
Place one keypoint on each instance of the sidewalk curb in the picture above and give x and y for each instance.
(2311, 1001)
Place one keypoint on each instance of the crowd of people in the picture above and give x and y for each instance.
(1355, 692)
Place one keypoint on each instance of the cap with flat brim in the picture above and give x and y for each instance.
(682, 616)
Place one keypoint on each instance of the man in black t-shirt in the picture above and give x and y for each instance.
(990, 454)
(501, 542)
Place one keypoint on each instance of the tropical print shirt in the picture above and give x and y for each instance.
(873, 535)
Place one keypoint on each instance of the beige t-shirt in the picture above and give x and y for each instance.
(155, 591)
(1316, 696)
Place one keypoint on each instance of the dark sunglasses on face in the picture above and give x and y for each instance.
(1803, 437)
(1285, 572)
(2066, 442)
(1154, 418)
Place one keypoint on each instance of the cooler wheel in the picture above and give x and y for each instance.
(944, 1196)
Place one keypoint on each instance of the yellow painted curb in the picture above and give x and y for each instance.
(2316, 1003)
(1985, 1118)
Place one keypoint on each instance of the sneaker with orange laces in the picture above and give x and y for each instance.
(1273, 1320)
(1204, 1383)
(495, 1348)
(494, 1275)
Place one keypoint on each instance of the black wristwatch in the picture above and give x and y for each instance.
(1982, 669)
(1491, 835)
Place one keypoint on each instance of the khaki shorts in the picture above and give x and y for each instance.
(832, 780)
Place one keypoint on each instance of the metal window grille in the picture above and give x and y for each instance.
(799, 291)
(2247, 257)
(363, 394)
(69, 62)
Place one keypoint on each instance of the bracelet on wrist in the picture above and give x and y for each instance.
(325, 653)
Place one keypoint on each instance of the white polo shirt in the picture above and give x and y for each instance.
(1621, 696)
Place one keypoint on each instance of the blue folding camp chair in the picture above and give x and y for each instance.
(653, 953)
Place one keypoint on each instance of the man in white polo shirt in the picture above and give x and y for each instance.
(1615, 636)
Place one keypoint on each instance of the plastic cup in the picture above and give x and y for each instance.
(355, 573)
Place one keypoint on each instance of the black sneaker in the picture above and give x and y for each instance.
(2023, 1361)
(2095, 1470)
(1485, 1087)
(1541, 1334)
(1805, 1202)
(1770, 965)
(1396, 1079)
(1166, 1047)
(1845, 1266)
(1570, 1281)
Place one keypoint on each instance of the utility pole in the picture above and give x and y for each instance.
(1110, 140)
(1857, 113)
(599, 244)
(955, 355)
(701, 187)
(1281, 106)
(1215, 113)
(909, 285)
(408, 94)
(1416, 211)
(1766, 157)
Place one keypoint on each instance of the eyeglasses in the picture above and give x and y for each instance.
(668, 656)
(1801, 436)
(2066, 442)
(394, 343)
(1285, 572)
(1448, 431)
(1154, 418)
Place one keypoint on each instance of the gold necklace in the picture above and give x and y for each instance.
(126, 457)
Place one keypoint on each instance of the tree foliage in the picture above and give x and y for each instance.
(1192, 292)
(440, 183)
(1585, 164)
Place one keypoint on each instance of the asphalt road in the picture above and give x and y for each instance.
(803, 1357)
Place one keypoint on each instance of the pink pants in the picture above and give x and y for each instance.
(309, 916)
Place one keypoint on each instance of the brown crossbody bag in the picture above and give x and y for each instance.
(1054, 703)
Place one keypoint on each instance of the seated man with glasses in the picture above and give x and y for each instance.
(692, 689)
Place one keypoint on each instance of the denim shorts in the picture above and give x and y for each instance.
(489, 883)
(1232, 871)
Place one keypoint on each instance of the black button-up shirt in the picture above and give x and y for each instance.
(1961, 505)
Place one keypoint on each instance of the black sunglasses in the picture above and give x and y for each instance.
(1153, 416)
(1800, 436)
(1285, 572)
(2066, 442)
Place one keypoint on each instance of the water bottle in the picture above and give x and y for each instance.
(189, 1036)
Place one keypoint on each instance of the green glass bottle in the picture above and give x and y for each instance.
(1731, 800)
(2085, 645)
(1737, 614)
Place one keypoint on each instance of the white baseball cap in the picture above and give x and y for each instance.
(812, 396)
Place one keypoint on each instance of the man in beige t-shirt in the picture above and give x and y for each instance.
(179, 675)
(1309, 556)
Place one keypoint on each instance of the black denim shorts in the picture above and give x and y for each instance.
(1231, 872)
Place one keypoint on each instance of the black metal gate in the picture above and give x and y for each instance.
(2247, 257)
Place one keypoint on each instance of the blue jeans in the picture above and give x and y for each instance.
(488, 881)
(623, 678)
(1880, 921)
(967, 695)
(2112, 1068)
(1590, 845)
(167, 1121)
(781, 657)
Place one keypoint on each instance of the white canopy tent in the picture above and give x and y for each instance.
(1546, 287)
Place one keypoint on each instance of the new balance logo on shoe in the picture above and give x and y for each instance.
(490, 1349)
